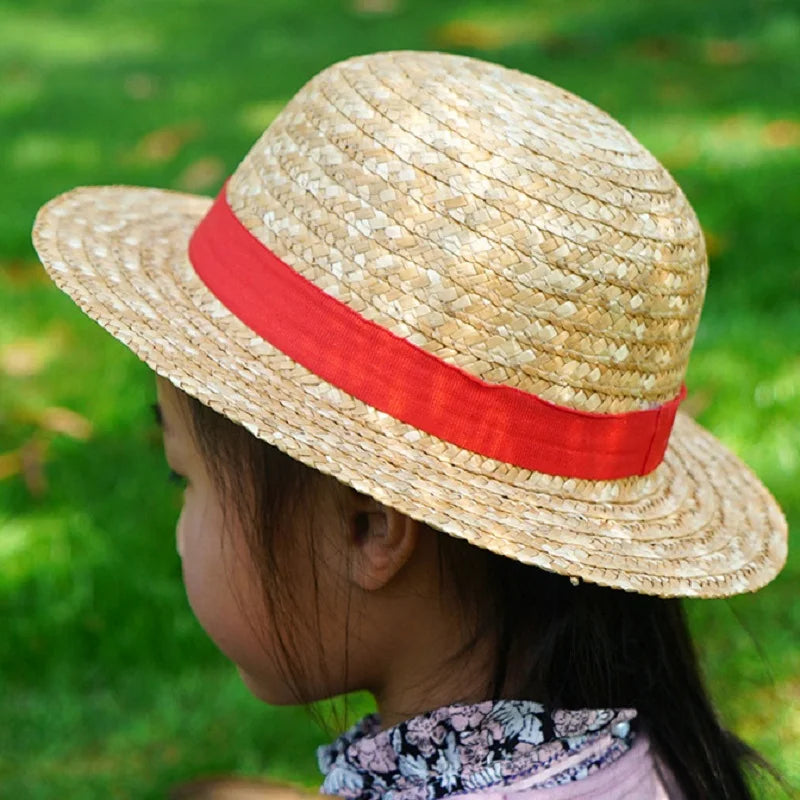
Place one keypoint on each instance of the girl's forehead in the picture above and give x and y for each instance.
(163, 397)
(172, 414)
(167, 393)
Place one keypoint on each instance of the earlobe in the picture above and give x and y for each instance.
(383, 539)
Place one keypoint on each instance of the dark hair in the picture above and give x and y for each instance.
(579, 646)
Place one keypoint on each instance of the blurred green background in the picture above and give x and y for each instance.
(108, 687)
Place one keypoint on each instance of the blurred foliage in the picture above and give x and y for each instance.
(109, 688)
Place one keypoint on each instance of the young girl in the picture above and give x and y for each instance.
(419, 365)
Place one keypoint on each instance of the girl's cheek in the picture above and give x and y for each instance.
(180, 539)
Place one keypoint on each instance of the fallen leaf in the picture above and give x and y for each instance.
(139, 86)
(485, 34)
(715, 243)
(376, 6)
(733, 125)
(782, 133)
(32, 456)
(24, 273)
(725, 52)
(681, 155)
(655, 47)
(673, 91)
(10, 464)
(165, 143)
(696, 402)
(23, 357)
(202, 174)
(66, 421)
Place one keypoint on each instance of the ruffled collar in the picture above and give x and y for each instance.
(461, 748)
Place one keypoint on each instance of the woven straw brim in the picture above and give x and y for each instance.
(701, 524)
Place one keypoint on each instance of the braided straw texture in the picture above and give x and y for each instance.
(495, 220)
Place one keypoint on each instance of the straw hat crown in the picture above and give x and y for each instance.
(504, 224)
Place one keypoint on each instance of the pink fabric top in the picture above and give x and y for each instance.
(631, 777)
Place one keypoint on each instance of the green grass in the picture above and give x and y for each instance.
(108, 686)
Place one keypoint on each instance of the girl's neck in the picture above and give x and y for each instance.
(426, 676)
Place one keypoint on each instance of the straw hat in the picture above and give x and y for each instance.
(459, 289)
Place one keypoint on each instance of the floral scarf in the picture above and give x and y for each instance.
(463, 748)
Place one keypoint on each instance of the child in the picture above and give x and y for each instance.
(419, 366)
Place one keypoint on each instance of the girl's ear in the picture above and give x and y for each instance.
(381, 541)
